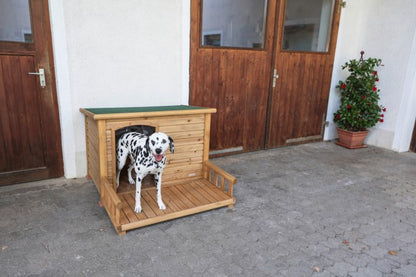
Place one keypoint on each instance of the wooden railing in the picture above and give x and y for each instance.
(219, 177)
(111, 202)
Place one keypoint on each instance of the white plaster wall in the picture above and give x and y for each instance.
(116, 53)
(387, 30)
(136, 53)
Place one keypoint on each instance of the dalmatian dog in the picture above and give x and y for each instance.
(147, 156)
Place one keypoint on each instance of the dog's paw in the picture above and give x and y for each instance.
(161, 206)
(138, 210)
(131, 181)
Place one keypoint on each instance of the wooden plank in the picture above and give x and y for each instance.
(189, 147)
(172, 129)
(187, 135)
(112, 203)
(207, 137)
(184, 159)
(212, 190)
(169, 208)
(110, 148)
(146, 209)
(222, 172)
(256, 101)
(182, 197)
(172, 197)
(123, 217)
(102, 151)
(193, 194)
(131, 200)
(187, 140)
(178, 214)
(171, 205)
(167, 121)
(127, 209)
(207, 194)
(146, 195)
(162, 123)
(182, 176)
(180, 200)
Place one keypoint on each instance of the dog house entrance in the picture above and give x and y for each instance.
(148, 181)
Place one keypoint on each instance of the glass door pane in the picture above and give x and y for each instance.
(15, 21)
(233, 23)
(308, 25)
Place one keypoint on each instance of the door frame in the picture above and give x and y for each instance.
(412, 147)
(51, 131)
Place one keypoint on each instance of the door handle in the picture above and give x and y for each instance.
(275, 76)
(41, 75)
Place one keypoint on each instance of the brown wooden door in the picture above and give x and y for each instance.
(234, 78)
(256, 110)
(30, 142)
(305, 49)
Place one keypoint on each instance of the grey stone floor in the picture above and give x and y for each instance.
(300, 210)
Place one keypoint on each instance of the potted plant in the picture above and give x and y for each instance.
(359, 109)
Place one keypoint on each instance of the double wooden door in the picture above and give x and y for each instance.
(30, 142)
(266, 67)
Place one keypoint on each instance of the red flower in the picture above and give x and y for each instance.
(384, 109)
(382, 115)
(376, 80)
(343, 86)
(375, 73)
(381, 120)
(374, 88)
(338, 116)
(364, 97)
(348, 106)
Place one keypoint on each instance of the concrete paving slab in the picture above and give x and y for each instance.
(301, 208)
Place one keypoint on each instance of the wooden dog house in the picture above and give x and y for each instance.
(190, 182)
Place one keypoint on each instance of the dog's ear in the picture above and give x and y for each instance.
(172, 145)
(147, 146)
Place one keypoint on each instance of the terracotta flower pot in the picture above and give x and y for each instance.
(351, 140)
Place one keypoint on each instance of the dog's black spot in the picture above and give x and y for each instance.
(153, 142)
(164, 141)
(138, 179)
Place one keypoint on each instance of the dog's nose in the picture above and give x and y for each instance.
(158, 151)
